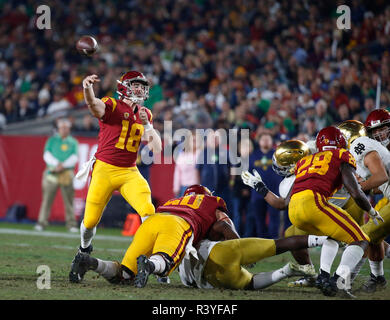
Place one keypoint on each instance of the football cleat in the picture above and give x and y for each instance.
(321, 279)
(305, 282)
(330, 289)
(329, 286)
(164, 280)
(144, 269)
(373, 284)
(299, 269)
(77, 270)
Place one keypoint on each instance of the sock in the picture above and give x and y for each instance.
(376, 268)
(86, 235)
(265, 279)
(329, 251)
(350, 258)
(107, 269)
(356, 270)
(159, 263)
(315, 241)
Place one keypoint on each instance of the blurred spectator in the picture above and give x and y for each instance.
(87, 127)
(60, 103)
(60, 156)
(256, 224)
(185, 173)
(241, 193)
(322, 118)
(213, 166)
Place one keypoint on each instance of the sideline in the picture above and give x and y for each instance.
(54, 234)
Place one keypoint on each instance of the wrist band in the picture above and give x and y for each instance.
(261, 188)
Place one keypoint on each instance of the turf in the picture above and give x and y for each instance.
(23, 250)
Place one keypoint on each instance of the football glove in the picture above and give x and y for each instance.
(254, 181)
(375, 216)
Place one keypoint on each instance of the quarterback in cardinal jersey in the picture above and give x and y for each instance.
(123, 123)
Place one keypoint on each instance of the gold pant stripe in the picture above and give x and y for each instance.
(351, 226)
(183, 242)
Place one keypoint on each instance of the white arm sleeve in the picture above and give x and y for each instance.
(50, 159)
(286, 185)
(70, 162)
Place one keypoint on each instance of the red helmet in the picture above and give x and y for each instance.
(376, 119)
(330, 138)
(197, 189)
(125, 88)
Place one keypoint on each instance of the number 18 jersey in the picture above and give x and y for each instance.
(320, 172)
(120, 133)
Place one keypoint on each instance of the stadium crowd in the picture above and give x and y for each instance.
(278, 67)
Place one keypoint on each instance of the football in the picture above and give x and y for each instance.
(87, 45)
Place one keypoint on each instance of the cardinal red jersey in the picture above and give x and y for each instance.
(320, 172)
(120, 133)
(198, 210)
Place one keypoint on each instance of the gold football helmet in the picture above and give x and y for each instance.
(287, 154)
(352, 129)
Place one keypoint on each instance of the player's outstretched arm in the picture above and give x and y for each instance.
(356, 192)
(150, 134)
(95, 105)
(256, 182)
(377, 169)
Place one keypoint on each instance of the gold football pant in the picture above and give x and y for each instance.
(106, 179)
(351, 207)
(378, 232)
(355, 211)
(224, 269)
(311, 212)
(160, 233)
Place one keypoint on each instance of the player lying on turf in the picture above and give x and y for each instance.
(318, 176)
(161, 241)
(220, 264)
(165, 238)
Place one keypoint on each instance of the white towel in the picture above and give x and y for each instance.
(83, 173)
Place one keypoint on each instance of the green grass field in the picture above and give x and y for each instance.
(23, 250)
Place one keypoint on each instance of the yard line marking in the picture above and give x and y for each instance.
(55, 234)
(62, 247)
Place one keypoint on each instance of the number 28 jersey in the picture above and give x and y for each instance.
(320, 172)
(120, 133)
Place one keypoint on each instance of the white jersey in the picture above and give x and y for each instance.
(286, 185)
(192, 266)
(360, 147)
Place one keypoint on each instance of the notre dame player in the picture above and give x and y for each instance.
(313, 168)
